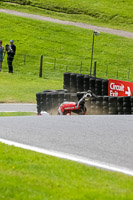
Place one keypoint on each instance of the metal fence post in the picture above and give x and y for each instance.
(41, 64)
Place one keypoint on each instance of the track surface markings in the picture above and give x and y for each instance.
(91, 139)
(69, 157)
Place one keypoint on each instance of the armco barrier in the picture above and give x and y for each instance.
(50, 100)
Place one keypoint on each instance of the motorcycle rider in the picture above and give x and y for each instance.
(67, 107)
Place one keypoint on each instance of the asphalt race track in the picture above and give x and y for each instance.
(107, 139)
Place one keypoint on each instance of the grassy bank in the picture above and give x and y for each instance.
(115, 14)
(70, 46)
(11, 114)
(28, 175)
(22, 88)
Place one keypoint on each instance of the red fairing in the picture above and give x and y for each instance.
(70, 106)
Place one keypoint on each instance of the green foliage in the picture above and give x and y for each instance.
(28, 175)
(112, 13)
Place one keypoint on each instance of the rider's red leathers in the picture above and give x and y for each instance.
(67, 107)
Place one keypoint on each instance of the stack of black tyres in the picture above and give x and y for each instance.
(54, 97)
(126, 105)
(67, 96)
(92, 84)
(99, 109)
(86, 83)
(120, 105)
(73, 83)
(74, 97)
(60, 98)
(88, 106)
(67, 81)
(48, 101)
(112, 103)
(105, 105)
(92, 106)
(131, 99)
(98, 87)
(80, 83)
(38, 99)
(105, 87)
(43, 101)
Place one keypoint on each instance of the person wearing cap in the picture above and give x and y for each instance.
(1, 54)
(11, 53)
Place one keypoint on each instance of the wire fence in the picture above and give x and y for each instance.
(27, 64)
(115, 73)
(55, 66)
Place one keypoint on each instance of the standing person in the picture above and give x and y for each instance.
(11, 53)
(1, 54)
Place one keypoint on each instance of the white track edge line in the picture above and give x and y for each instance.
(70, 157)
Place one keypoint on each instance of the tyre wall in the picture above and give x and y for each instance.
(77, 83)
(101, 105)
(50, 100)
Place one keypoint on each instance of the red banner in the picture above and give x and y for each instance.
(120, 88)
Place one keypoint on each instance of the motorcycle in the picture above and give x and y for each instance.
(66, 108)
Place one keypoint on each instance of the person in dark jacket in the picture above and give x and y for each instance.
(11, 53)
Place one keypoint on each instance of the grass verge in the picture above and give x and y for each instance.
(28, 175)
(10, 114)
(113, 13)
(17, 88)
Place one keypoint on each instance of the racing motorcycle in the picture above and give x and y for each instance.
(66, 108)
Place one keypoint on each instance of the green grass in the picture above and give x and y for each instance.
(22, 88)
(69, 45)
(107, 13)
(10, 114)
(28, 175)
